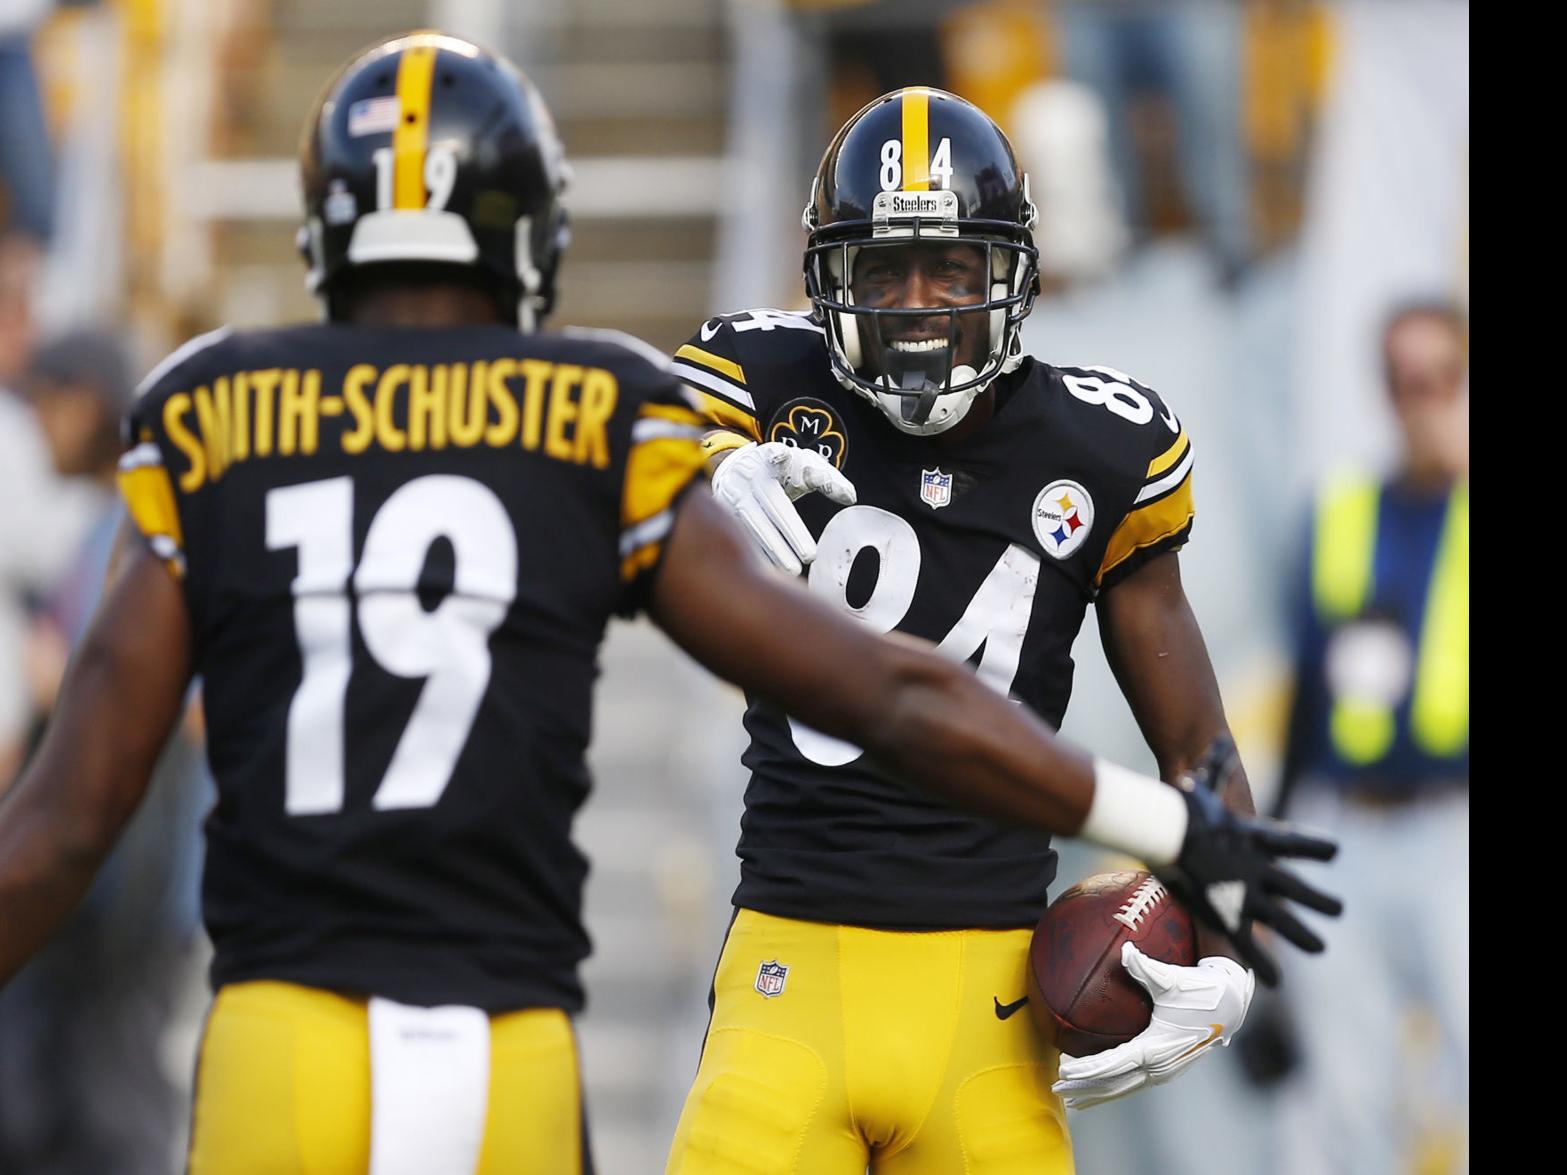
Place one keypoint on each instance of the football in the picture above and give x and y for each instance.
(1079, 993)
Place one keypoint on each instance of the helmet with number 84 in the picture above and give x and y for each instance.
(426, 148)
(920, 258)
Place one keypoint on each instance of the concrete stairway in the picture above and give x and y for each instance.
(629, 84)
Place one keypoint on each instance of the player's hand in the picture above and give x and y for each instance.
(1228, 873)
(1193, 1008)
(759, 485)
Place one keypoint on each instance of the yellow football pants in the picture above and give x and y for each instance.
(879, 1048)
(283, 1088)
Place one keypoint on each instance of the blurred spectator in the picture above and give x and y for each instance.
(1062, 138)
(872, 46)
(1170, 75)
(40, 523)
(1378, 753)
(25, 157)
(994, 50)
(84, 1084)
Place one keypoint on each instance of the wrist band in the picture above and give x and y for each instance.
(1134, 814)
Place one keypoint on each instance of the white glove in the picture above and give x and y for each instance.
(1192, 1008)
(759, 484)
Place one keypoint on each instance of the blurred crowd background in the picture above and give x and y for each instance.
(1236, 197)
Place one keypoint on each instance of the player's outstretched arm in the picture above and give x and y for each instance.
(935, 724)
(122, 694)
(931, 720)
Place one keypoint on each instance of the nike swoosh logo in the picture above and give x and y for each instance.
(1005, 1010)
(1213, 1034)
(707, 335)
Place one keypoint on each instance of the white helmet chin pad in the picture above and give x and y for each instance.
(948, 409)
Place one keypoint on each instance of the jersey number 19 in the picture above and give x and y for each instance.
(449, 645)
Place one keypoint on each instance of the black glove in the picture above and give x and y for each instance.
(1227, 875)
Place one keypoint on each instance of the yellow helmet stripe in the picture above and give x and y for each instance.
(411, 138)
(916, 140)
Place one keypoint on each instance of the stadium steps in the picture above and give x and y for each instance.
(627, 84)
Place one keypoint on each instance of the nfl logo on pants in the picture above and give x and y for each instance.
(770, 978)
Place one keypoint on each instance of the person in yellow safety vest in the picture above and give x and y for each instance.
(1378, 752)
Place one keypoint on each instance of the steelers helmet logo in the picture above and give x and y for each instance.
(811, 424)
(1063, 517)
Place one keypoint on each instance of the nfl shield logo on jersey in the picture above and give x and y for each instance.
(935, 488)
(770, 978)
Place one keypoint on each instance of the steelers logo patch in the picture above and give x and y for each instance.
(811, 424)
(1063, 516)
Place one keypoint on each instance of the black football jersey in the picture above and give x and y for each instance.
(992, 548)
(399, 550)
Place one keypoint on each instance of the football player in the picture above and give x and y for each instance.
(389, 544)
(896, 444)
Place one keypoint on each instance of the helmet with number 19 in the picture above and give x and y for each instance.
(918, 180)
(427, 148)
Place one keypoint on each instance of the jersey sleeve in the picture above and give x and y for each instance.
(665, 459)
(1159, 518)
(161, 452)
(709, 364)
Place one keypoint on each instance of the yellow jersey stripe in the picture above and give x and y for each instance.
(149, 496)
(1165, 482)
(721, 386)
(916, 139)
(716, 362)
(411, 137)
(1169, 457)
(722, 440)
(656, 471)
(726, 415)
(639, 560)
(1153, 523)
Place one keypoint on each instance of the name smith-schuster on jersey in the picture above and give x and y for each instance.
(991, 547)
(428, 858)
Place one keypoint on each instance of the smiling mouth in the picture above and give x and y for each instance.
(915, 345)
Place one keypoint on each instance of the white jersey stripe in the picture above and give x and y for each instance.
(716, 384)
(652, 430)
(145, 453)
(1154, 488)
(646, 532)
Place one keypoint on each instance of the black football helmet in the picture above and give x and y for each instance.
(920, 164)
(427, 148)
